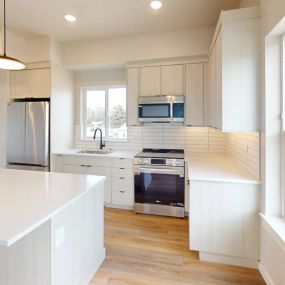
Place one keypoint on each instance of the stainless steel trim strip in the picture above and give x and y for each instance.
(172, 171)
(161, 210)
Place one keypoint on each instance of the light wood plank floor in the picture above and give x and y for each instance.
(152, 250)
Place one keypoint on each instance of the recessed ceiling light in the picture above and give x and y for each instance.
(70, 18)
(156, 5)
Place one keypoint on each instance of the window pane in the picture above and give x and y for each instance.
(117, 128)
(95, 111)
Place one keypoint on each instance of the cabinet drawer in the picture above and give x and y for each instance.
(98, 161)
(84, 160)
(122, 163)
(122, 172)
(122, 197)
(124, 184)
(73, 160)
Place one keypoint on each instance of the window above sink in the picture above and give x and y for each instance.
(105, 108)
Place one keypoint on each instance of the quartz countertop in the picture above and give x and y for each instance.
(29, 198)
(113, 154)
(217, 168)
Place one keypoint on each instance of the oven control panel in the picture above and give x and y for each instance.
(159, 161)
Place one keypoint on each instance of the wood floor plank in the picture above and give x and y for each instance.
(152, 250)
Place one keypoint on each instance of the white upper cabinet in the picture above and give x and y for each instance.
(132, 96)
(194, 96)
(19, 84)
(233, 72)
(40, 83)
(150, 81)
(30, 83)
(172, 80)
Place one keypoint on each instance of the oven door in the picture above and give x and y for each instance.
(161, 186)
(155, 112)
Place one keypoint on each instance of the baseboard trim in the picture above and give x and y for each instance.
(265, 274)
(230, 260)
(93, 267)
(115, 206)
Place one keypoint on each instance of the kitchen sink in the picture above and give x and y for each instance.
(95, 151)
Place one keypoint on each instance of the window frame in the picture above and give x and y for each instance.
(83, 110)
(283, 125)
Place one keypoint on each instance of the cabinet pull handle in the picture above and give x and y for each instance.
(122, 191)
(122, 178)
(122, 168)
(121, 158)
(88, 165)
(82, 165)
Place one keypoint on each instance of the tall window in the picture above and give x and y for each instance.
(105, 108)
(283, 127)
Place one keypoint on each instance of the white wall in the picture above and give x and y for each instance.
(99, 77)
(62, 109)
(16, 46)
(272, 254)
(145, 47)
(4, 96)
(249, 3)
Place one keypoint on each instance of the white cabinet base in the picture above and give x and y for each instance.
(223, 259)
(94, 267)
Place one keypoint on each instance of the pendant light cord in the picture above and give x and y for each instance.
(4, 27)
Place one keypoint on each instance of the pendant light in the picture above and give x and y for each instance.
(7, 62)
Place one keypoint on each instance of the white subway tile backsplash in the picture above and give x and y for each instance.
(245, 149)
(242, 147)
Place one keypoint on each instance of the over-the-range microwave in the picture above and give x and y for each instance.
(161, 109)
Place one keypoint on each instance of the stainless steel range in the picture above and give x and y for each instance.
(160, 182)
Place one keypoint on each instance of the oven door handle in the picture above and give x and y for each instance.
(160, 171)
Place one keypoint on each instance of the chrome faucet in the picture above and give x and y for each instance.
(101, 142)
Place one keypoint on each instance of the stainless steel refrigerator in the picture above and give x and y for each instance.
(28, 135)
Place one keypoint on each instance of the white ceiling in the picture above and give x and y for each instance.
(102, 19)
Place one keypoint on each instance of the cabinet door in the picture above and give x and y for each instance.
(40, 83)
(103, 171)
(75, 169)
(57, 163)
(19, 86)
(132, 96)
(150, 81)
(194, 110)
(218, 83)
(172, 80)
(211, 89)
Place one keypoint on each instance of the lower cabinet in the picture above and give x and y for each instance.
(224, 222)
(122, 183)
(119, 187)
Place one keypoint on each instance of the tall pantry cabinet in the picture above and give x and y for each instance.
(233, 72)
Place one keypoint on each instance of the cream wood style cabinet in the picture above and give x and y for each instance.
(233, 72)
(30, 83)
(194, 94)
(122, 183)
(224, 222)
(150, 81)
(172, 80)
(132, 96)
(119, 185)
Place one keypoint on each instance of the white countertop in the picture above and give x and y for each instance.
(217, 168)
(29, 199)
(113, 154)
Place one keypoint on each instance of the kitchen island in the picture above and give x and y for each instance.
(51, 227)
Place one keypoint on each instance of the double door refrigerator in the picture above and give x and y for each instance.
(28, 135)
